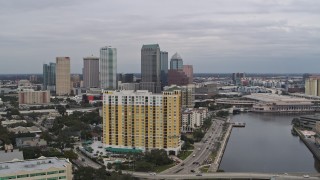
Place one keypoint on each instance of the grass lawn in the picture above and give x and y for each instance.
(159, 169)
(204, 169)
(184, 154)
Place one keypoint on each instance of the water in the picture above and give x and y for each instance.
(266, 145)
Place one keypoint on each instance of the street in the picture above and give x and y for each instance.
(202, 151)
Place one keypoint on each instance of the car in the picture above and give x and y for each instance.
(182, 164)
(198, 149)
(199, 174)
(192, 171)
(83, 159)
(207, 148)
(194, 155)
(306, 176)
(285, 173)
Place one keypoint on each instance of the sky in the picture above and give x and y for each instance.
(215, 36)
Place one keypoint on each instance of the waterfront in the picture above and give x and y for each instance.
(266, 145)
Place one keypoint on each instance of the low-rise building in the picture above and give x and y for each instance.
(49, 168)
(34, 97)
(192, 118)
(11, 154)
(30, 142)
(10, 122)
(20, 129)
(266, 102)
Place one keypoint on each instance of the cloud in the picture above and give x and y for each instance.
(214, 36)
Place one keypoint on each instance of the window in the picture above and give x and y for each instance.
(52, 172)
(37, 174)
(8, 177)
(23, 176)
(62, 171)
(62, 177)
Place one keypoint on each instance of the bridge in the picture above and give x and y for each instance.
(230, 175)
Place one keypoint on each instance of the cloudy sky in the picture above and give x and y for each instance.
(214, 36)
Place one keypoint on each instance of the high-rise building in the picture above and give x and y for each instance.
(177, 77)
(151, 68)
(108, 68)
(49, 76)
(176, 62)
(312, 86)
(164, 68)
(187, 94)
(63, 86)
(91, 72)
(41, 168)
(148, 121)
(188, 70)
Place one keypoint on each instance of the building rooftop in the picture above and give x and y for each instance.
(278, 99)
(176, 56)
(10, 155)
(150, 46)
(42, 163)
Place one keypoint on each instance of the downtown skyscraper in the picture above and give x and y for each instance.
(49, 76)
(108, 68)
(91, 72)
(151, 68)
(63, 85)
(164, 68)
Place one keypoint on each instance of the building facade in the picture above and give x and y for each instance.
(34, 97)
(187, 94)
(176, 62)
(43, 168)
(312, 86)
(192, 119)
(164, 68)
(142, 120)
(151, 68)
(91, 72)
(108, 68)
(177, 77)
(49, 76)
(63, 85)
(188, 70)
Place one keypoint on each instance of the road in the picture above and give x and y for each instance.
(227, 176)
(87, 161)
(198, 157)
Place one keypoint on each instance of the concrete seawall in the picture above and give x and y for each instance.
(311, 146)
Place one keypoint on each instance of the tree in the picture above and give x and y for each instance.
(143, 166)
(296, 122)
(62, 110)
(158, 157)
(109, 166)
(70, 155)
(198, 135)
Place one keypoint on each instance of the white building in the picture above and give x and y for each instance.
(192, 118)
(42, 168)
(279, 103)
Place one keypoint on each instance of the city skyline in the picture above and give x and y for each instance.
(216, 37)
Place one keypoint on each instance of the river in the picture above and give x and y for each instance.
(266, 145)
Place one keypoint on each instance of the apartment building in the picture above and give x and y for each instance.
(192, 118)
(34, 97)
(142, 120)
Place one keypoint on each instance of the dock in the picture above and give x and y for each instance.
(238, 124)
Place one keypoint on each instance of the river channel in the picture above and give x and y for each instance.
(266, 144)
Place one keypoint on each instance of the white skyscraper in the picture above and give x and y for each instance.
(108, 68)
